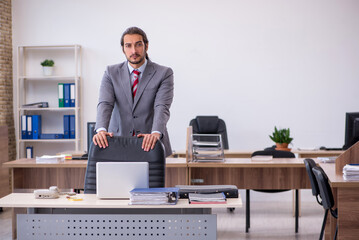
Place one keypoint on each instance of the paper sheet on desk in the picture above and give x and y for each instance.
(50, 159)
(308, 148)
(327, 159)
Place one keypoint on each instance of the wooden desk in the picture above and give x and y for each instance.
(27, 200)
(248, 153)
(316, 153)
(283, 173)
(90, 218)
(346, 197)
(27, 174)
(227, 154)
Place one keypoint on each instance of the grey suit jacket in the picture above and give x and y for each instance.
(149, 111)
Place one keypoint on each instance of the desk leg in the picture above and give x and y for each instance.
(299, 203)
(16, 211)
(248, 211)
(189, 177)
(331, 223)
(296, 209)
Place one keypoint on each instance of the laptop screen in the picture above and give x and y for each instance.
(117, 179)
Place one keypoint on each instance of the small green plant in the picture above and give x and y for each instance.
(281, 136)
(48, 63)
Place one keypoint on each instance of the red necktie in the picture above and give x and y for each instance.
(135, 82)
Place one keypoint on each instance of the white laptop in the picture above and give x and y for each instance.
(117, 179)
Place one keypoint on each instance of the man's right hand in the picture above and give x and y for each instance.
(100, 139)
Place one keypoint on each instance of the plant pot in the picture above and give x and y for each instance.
(48, 71)
(282, 147)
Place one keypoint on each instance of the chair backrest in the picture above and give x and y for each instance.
(210, 125)
(309, 165)
(324, 188)
(274, 153)
(126, 149)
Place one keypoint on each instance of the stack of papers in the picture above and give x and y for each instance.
(206, 198)
(327, 159)
(153, 196)
(351, 172)
(50, 159)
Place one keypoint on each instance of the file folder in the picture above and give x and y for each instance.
(72, 126)
(23, 127)
(66, 94)
(154, 196)
(29, 126)
(52, 136)
(72, 95)
(36, 126)
(61, 94)
(66, 126)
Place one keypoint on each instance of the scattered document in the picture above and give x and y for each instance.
(153, 196)
(327, 159)
(50, 159)
(262, 158)
(308, 149)
(206, 198)
(205, 144)
(351, 172)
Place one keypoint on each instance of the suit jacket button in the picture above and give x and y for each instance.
(134, 116)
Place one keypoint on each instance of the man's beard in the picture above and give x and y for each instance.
(136, 62)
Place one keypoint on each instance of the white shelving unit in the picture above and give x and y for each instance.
(33, 86)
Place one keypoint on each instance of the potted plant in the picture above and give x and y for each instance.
(282, 138)
(47, 67)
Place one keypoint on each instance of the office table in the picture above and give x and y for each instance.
(281, 173)
(27, 174)
(317, 153)
(90, 220)
(248, 153)
(278, 173)
(346, 198)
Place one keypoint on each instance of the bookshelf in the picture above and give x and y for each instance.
(32, 86)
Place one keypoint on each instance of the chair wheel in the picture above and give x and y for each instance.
(231, 209)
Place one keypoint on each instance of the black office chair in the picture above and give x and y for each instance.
(275, 154)
(210, 125)
(126, 149)
(309, 165)
(325, 193)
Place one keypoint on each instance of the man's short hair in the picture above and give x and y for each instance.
(135, 30)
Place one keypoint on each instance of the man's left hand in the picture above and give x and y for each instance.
(149, 140)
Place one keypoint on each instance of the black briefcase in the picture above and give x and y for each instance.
(230, 191)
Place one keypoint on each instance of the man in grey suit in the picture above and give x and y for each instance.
(135, 96)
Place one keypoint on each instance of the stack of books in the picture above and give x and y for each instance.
(351, 172)
(206, 198)
(153, 196)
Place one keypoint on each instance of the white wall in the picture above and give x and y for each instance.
(256, 64)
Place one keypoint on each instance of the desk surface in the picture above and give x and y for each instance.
(248, 163)
(27, 200)
(337, 180)
(31, 163)
(170, 162)
(248, 153)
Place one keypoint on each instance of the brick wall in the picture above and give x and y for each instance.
(6, 76)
